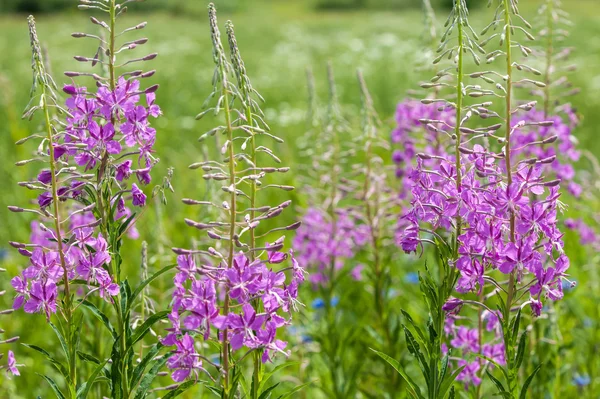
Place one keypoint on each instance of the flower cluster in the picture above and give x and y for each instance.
(196, 309)
(112, 123)
(465, 341)
(107, 137)
(488, 206)
(324, 246)
(233, 288)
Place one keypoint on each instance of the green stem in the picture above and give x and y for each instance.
(232, 221)
(257, 355)
(55, 202)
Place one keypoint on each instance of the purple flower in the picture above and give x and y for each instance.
(139, 198)
(44, 266)
(356, 272)
(45, 199)
(42, 298)
(185, 360)
(124, 170)
(143, 175)
(103, 135)
(495, 352)
(243, 327)
(469, 375)
(12, 364)
(106, 285)
(45, 176)
(20, 285)
(466, 339)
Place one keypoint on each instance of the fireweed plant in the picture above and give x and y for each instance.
(552, 24)
(329, 239)
(500, 209)
(375, 213)
(237, 298)
(96, 152)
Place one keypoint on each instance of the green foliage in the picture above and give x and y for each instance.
(35, 6)
(372, 4)
(177, 7)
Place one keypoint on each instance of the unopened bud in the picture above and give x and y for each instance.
(552, 183)
(148, 74)
(150, 57)
(550, 139)
(293, 226)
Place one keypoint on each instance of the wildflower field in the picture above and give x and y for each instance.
(295, 199)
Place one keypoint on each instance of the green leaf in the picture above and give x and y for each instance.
(115, 372)
(125, 291)
(143, 329)
(88, 358)
(217, 391)
(270, 374)
(179, 390)
(448, 381)
(502, 369)
(415, 391)
(100, 316)
(452, 393)
(445, 362)
(61, 339)
(244, 385)
(521, 350)
(58, 365)
(414, 349)
(267, 393)
(144, 283)
(146, 360)
(515, 327)
(528, 381)
(496, 382)
(54, 386)
(293, 391)
(414, 325)
(84, 389)
(125, 224)
(140, 393)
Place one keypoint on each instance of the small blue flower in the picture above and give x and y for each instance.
(411, 278)
(3, 254)
(306, 339)
(581, 380)
(334, 301)
(318, 303)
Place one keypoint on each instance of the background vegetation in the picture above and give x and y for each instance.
(278, 39)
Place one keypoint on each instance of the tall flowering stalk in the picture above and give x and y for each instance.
(234, 292)
(375, 214)
(92, 146)
(502, 212)
(329, 239)
(436, 187)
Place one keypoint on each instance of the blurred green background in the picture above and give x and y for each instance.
(279, 40)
